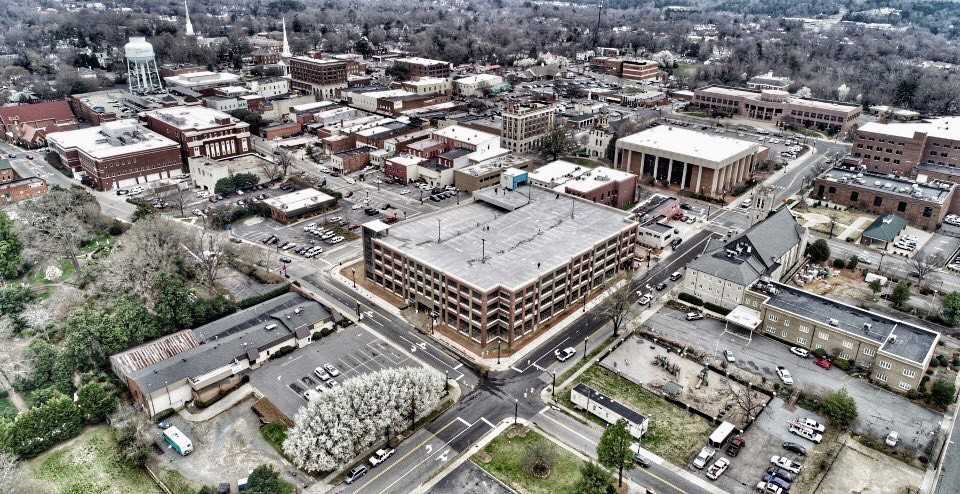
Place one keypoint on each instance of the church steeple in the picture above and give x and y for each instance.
(188, 29)
(285, 52)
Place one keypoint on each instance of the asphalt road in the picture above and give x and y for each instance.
(498, 396)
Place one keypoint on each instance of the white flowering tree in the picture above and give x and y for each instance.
(333, 429)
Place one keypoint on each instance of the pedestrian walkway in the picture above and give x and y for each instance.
(222, 405)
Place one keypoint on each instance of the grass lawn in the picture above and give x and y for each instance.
(7, 409)
(275, 434)
(503, 458)
(91, 460)
(674, 434)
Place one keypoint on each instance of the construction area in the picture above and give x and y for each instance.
(682, 380)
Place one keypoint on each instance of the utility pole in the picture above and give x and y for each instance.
(596, 32)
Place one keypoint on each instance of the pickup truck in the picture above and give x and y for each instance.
(733, 449)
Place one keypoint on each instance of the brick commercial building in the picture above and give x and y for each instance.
(418, 67)
(779, 107)
(118, 154)
(905, 148)
(21, 189)
(896, 354)
(697, 162)
(29, 125)
(428, 85)
(299, 204)
(504, 266)
(525, 125)
(639, 70)
(601, 184)
(922, 204)
(201, 131)
(321, 77)
(206, 172)
(113, 104)
(396, 105)
(487, 173)
(7, 173)
(203, 82)
(350, 160)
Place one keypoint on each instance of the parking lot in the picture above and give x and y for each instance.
(880, 411)
(353, 351)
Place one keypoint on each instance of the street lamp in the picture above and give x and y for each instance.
(516, 408)
(353, 276)
(499, 341)
(553, 389)
(585, 340)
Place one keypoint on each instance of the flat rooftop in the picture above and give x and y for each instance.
(194, 117)
(465, 134)
(931, 192)
(941, 128)
(421, 61)
(693, 145)
(895, 337)
(524, 234)
(111, 139)
(202, 78)
(298, 200)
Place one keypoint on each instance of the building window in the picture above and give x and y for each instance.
(854, 196)
(909, 372)
(848, 344)
(772, 318)
(868, 351)
(927, 212)
(823, 335)
(904, 386)
(881, 376)
(801, 340)
(902, 206)
(804, 328)
(877, 201)
(884, 364)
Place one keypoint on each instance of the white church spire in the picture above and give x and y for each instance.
(189, 27)
(285, 52)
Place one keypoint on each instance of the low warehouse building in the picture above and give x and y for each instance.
(295, 205)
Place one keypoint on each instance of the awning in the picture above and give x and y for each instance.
(745, 317)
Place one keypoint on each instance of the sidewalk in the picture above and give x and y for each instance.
(222, 405)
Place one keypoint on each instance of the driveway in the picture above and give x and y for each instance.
(353, 351)
(880, 410)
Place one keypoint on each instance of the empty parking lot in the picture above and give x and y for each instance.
(353, 351)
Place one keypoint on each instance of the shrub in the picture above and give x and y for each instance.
(842, 364)
(690, 299)
(820, 353)
(840, 408)
(853, 261)
(716, 308)
(839, 264)
(942, 393)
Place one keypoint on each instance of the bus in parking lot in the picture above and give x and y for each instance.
(178, 441)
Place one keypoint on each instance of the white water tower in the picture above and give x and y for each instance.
(143, 77)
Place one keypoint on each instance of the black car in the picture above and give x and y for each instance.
(781, 473)
(795, 448)
(684, 206)
(641, 461)
(676, 242)
(286, 260)
(661, 286)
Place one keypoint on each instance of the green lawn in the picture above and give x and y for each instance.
(7, 409)
(89, 460)
(503, 458)
(275, 434)
(674, 433)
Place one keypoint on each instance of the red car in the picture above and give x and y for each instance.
(822, 362)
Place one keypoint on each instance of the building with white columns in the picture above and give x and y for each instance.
(697, 162)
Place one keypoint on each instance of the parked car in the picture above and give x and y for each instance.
(717, 469)
(694, 316)
(355, 474)
(786, 464)
(800, 352)
(645, 299)
(676, 242)
(122, 192)
(285, 260)
(564, 354)
(736, 444)
(381, 455)
(892, 439)
(333, 371)
(809, 423)
(806, 433)
(768, 488)
(321, 373)
(728, 355)
(795, 448)
(773, 479)
(824, 363)
(703, 457)
(661, 286)
(784, 375)
(676, 275)
(783, 474)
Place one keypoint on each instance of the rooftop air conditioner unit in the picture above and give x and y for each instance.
(834, 322)
(270, 327)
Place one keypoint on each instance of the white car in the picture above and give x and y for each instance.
(564, 354)
(728, 355)
(786, 464)
(784, 375)
(349, 180)
(321, 373)
(811, 424)
(381, 456)
(333, 371)
(357, 207)
(806, 433)
(404, 192)
(800, 352)
(892, 438)
(768, 488)
(645, 299)
(703, 457)
(717, 469)
(694, 316)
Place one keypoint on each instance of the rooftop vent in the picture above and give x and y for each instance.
(270, 327)
(834, 322)
(866, 327)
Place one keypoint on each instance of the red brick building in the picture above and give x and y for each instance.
(281, 130)
(6, 172)
(322, 77)
(423, 67)
(28, 125)
(201, 131)
(21, 189)
(901, 147)
(118, 154)
(351, 160)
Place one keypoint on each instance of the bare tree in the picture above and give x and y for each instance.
(748, 401)
(271, 169)
(59, 222)
(207, 250)
(617, 306)
(284, 160)
(151, 247)
(922, 266)
(539, 458)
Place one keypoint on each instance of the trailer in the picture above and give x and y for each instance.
(178, 441)
(721, 434)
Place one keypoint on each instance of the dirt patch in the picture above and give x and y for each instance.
(861, 469)
(844, 284)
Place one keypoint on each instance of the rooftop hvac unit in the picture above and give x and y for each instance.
(892, 339)
(834, 322)
(270, 327)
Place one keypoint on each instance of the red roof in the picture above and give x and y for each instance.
(58, 111)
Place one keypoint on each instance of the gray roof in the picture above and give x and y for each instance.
(912, 343)
(237, 336)
(522, 238)
(614, 406)
(746, 258)
(885, 228)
